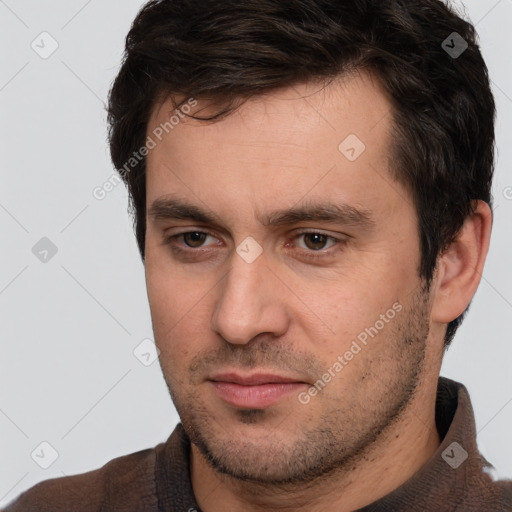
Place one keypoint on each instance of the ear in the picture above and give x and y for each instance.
(460, 266)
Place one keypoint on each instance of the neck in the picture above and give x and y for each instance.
(397, 455)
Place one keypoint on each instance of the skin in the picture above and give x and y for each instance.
(373, 425)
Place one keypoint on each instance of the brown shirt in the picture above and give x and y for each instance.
(158, 479)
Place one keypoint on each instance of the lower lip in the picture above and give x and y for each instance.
(255, 397)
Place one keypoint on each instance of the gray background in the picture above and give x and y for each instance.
(70, 325)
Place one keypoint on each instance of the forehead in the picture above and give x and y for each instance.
(301, 142)
(356, 100)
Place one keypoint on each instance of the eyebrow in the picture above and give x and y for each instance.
(178, 209)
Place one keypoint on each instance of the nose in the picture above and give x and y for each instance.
(250, 302)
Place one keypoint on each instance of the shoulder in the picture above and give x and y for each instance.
(503, 488)
(125, 483)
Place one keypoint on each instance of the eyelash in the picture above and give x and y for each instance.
(321, 253)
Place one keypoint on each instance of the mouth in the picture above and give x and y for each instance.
(256, 391)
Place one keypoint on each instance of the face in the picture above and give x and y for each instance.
(282, 273)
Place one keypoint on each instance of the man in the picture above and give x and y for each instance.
(310, 182)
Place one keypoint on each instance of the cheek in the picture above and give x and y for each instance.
(351, 294)
(168, 292)
(179, 315)
(359, 307)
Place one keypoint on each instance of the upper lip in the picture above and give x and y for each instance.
(254, 379)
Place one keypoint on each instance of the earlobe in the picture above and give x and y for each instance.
(461, 265)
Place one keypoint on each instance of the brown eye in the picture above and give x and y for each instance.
(315, 241)
(194, 239)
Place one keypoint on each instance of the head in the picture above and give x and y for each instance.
(252, 135)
